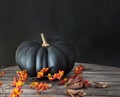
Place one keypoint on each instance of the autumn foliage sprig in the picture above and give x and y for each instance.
(42, 72)
(22, 76)
(55, 76)
(51, 77)
(18, 82)
(77, 71)
(40, 86)
(44, 86)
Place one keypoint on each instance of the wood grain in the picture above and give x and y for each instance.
(93, 72)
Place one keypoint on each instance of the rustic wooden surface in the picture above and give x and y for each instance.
(94, 72)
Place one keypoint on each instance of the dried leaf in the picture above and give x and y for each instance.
(75, 93)
(71, 91)
(81, 93)
(101, 84)
(75, 85)
(78, 78)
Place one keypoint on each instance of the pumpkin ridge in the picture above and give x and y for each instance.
(26, 53)
(30, 58)
(64, 56)
(24, 47)
(41, 59)
(57, 57)
(68, 52)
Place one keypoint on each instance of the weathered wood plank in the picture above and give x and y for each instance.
(90, 78)
(94, 72)
(60, 91)
(116, 73)
(87, 75)
(110, 83)
(56, 96)
(89, 66)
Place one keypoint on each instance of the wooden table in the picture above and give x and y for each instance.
(95, 72)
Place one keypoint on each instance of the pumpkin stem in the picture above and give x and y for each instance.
(44, 40)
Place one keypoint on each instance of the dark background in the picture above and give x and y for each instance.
(93, 26)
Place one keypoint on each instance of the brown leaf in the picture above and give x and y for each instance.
(75, 85)
(75, 93)
(71, 91)
(69, 81)
(101, 84)
(78, 78)
(81, 93)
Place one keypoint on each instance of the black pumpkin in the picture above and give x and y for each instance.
(34, 56)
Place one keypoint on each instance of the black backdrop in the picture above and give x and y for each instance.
(93, 26)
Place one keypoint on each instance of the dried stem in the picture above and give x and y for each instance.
(5, 95)
(45, 44)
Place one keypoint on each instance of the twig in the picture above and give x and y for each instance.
(9, 86)
(3, 92)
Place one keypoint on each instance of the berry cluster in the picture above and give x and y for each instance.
(55, 76)
(18, 82)
(41, 73)
(40, 86)
(77, 71)
(22, 75)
